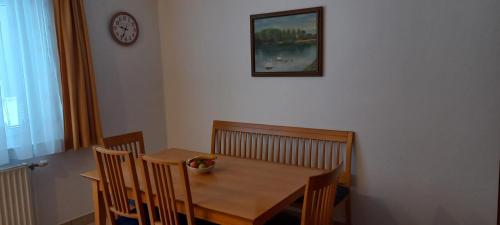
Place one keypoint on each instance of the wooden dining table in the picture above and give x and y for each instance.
(236, 191)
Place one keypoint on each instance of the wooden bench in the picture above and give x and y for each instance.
(305, 147)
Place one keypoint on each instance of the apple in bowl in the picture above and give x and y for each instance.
(201, 164)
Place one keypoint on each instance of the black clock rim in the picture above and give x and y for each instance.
(112, 33)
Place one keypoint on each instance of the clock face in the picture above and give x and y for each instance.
(124, 28)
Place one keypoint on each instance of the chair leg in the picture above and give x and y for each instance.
(111, 219)
(348, 211)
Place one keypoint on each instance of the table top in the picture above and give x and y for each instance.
(240, 187)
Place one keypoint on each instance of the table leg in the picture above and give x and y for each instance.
(99, 213)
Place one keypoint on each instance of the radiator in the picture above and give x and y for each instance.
(16, 205)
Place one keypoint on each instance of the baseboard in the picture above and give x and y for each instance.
(82, 220)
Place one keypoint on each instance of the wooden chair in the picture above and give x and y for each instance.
(158, 179)
(112, 165)
(318, 207)
(133, 142)
(305, 147)
(319, 198)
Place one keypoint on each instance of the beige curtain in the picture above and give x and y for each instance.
(82, 125)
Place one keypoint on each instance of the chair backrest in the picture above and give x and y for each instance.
(306, 147)
(115, 168)
(159, 175)
(319, 198)
(132, 142)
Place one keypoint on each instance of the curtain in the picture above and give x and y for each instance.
(82, 126)
(31, 119)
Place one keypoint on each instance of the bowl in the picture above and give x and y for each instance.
(201, 164)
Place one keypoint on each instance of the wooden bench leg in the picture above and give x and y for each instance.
(99, 213)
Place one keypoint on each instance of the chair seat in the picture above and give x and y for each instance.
(127, 221)
(121, 220)
(341, 193)
(182, 220)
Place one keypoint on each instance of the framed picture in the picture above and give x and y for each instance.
(288, 43)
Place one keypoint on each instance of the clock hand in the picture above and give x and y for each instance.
(124, 28)
(123, 34)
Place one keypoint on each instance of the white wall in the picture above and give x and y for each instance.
(417, 80)
(130, 94)
(129, 80)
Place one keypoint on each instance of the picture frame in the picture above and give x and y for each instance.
(287, 43)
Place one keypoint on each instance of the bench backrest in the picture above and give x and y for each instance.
(307, 147)
(132, 142)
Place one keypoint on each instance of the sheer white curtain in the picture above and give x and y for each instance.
(31, 121)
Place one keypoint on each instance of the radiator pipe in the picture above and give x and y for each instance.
(31, 165)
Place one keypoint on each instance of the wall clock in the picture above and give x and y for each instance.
(124, 28)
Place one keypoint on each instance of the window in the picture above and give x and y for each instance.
(10, 112)
(31, 122)
(9, 106)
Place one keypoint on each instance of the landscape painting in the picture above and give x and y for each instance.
(287, 43)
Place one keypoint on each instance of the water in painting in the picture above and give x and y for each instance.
(286, 43)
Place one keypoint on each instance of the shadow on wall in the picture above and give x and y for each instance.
(364, 204)
(374, 207)
(355, 160)
(442, 217)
